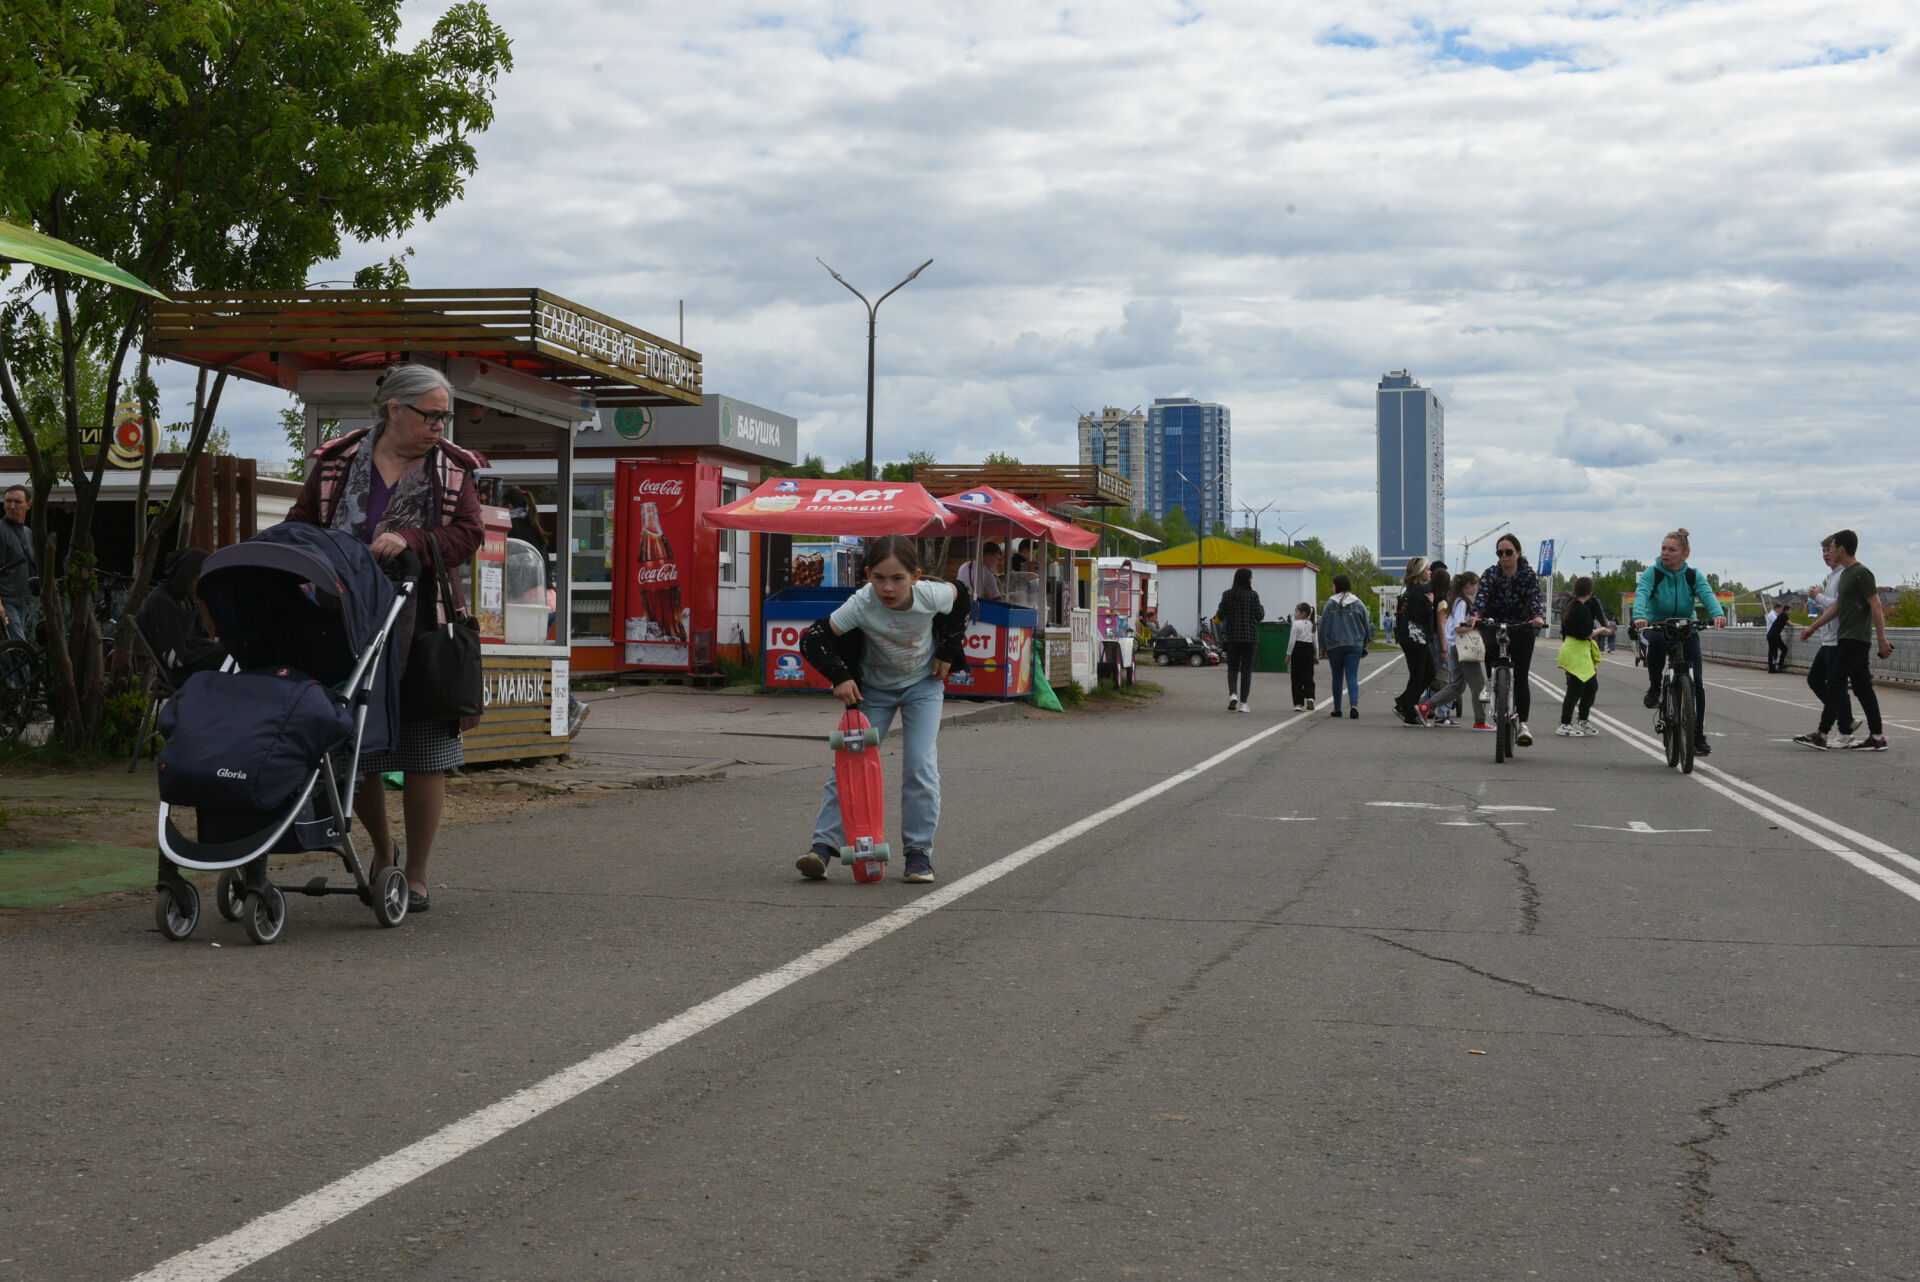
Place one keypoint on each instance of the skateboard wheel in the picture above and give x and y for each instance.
(874, 736)
(881, 852)
(835, 740)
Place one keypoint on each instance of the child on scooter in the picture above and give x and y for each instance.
(888, 649)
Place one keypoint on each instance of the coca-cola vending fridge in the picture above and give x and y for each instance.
(666, 580)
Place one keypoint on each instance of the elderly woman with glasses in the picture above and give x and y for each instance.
(395, 486)
(1510, 594)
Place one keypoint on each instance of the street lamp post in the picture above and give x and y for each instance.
(872, 312)
(1199, 555)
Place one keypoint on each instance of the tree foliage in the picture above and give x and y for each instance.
(201, 145)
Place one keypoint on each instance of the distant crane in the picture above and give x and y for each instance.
(1466, 545)
(1598, 557)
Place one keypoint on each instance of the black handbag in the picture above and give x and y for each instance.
(442, 681)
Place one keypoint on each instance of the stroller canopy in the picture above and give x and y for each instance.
(298, 596)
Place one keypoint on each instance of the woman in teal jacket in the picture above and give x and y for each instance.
(1668, 590)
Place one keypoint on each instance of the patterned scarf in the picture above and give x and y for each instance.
(409, 505)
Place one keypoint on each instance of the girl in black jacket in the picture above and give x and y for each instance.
(1240, 614)
(1413, 629)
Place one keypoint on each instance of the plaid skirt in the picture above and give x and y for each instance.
(425, 747)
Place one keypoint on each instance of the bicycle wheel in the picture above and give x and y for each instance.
(1669, 722)
(20, 695)
(1683, 714)
(1502, 714)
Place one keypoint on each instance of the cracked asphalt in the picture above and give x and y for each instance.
(1352, 1003)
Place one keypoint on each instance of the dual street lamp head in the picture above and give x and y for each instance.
(873, 309)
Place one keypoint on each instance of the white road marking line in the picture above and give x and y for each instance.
(1730, 789)
(1640, 825)
(299, 1219)
(1791, 703)
(1278, 819)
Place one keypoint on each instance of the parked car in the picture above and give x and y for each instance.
(1169, 648)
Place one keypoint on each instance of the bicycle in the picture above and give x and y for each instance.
(1500, 689)
(1673, 715)
(23, 663)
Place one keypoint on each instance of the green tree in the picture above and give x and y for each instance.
(1001, 459)
(1174, 525)
(203, 145)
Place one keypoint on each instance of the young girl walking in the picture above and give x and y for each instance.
(1466, 673)
(887, 649)
(1580, 659)
(1300, 658)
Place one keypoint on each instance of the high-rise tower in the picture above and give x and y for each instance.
(1190, 460)
(1410, 441)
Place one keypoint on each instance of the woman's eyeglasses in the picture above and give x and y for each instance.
(1506, 552)
(433, 418)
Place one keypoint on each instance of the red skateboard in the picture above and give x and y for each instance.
(863, 808)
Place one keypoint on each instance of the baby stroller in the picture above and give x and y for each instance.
(268, 755)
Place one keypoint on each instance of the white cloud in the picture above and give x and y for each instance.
(1657, 259)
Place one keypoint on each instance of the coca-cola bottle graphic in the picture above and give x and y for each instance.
(659, 580)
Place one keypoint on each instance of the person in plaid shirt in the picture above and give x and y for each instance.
(1240, 613)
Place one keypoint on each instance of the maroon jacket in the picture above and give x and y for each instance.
(456, 506)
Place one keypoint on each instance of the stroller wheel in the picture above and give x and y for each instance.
(390, 897)
(227, 896)
(264, 914)
(176, 909)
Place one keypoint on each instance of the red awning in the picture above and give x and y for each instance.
(799, 505)
(984, 505)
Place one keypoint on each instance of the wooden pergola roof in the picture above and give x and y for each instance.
(272, 337)
(1045, 482)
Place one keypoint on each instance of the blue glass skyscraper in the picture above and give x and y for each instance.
(1411, 443)
(1191, 439)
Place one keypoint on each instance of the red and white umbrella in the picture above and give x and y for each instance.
(983, 504)
(800, 505)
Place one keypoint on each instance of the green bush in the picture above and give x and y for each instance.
(126, 708)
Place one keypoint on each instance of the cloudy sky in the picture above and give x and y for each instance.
(1657, 259)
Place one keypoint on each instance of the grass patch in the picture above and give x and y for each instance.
(1138, 692)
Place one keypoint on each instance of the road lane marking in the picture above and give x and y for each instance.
(1772, 698)
(1640, 825)
(1776, 810)
(275, 1231)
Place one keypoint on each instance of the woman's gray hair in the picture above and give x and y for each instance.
(407, 384)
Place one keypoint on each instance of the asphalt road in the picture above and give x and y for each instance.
(1349, 1001)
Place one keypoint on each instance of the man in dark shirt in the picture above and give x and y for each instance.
(17, 567)
(1857, 607)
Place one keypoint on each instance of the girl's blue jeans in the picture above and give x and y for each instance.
(919, 709)
(1343, 663)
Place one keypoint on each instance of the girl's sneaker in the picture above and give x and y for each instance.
(813, 865)
(1353, 712)
(919, 866)
(1871, 743)
(1525, 737)
(1424, 711)
(1233, 703)
(1299, 707)
(1484, 725)
(1309, 705)
(1566, 731)
(1587, 729)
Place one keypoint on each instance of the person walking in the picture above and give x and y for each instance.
(1300, 660)
(1240, 613)
(400, 486)
(1776, 638)
(903, 633)
(1412, 628)
(1582, 623)
(1510, 594)
(17, 566)
(1439, 590)
(1345, 629)
(1669, 589)
(1857, 610)
(1467, 674)
(1819, 597)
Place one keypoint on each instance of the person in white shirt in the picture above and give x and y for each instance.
(982, 577)
(1819, 597)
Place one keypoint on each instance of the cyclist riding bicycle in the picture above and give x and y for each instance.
(1669, 589)
(1510, 594)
